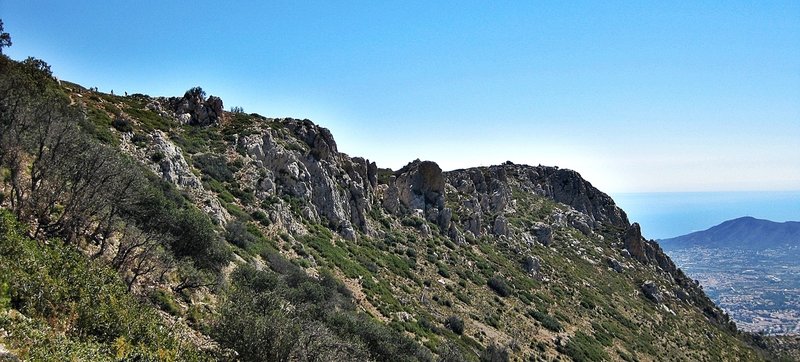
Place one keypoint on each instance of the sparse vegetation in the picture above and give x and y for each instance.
(322, 269)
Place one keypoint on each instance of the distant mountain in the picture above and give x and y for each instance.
(742, 233)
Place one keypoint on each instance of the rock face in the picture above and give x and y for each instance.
(651, 291)
(165, 159)
(309, 169)
(501, 226)
(647, 251)
(615, 264)
(543, 233)
(420, 185)
(300, 181)
(492, 192)
(568, 187)
(635, 243)
(195, 109)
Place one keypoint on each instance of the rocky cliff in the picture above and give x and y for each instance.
(299, 179)
(530, 262)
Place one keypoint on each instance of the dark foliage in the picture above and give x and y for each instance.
(256, 323)
(455, 323)
(5, 38)
(122, 125)
(495, 353)
(214, 166)
(547, 321)
(583, 347)
(55, 282)
(499, 286)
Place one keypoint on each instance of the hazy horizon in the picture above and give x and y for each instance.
(635, 97)
(665, 215)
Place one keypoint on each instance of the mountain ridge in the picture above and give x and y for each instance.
(226, 222)
(743, 232)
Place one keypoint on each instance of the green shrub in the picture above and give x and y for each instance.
(157, 156)
(96, 124)
(499, 286)
(214, 166)
(55, 282)
(165, 302)
(582, 347)
(122, 125)
(495, 353)
(237, 233)
(455, 323)
(547, 321)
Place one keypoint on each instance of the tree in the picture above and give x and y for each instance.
(5, 38)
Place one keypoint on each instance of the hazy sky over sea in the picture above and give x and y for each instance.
(636, 96)
(665, 215)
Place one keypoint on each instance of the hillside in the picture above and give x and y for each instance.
(254, 238)
(742, 233)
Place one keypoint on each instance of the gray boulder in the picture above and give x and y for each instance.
(651, 291)
(500, 226)
(420, 185)
(615, 264)
(543, 233)
(532, 264)
(200, 110)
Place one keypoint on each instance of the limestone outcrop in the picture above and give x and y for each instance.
(194, 108)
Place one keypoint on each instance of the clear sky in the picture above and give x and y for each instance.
(635, 95)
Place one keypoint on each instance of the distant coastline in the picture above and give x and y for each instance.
(669, 214)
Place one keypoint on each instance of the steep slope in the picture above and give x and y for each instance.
(742, 233)
(329, 256)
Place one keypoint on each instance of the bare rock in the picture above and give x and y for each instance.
(172, 166)
(420, 185)
(615, 264)
(652, 292)
(543, 233)
(568, 187)
(473, 223)
(201, 111)
(391, 199)
(532, 264)
(456, 235)
(500, 226)
(635, 243)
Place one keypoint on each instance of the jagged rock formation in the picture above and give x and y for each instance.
(195, 109)
(334, 189)
(528, 261)
(295, 166)
(165, 159)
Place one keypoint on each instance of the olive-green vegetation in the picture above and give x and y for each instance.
(70, 308)
(281, 313)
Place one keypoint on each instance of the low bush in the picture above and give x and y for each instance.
(122, 125)
(455, 324)
(582, 347)
(499, 286)
(214, 166)
(547, 321)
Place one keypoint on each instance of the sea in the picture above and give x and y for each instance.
(664, 215)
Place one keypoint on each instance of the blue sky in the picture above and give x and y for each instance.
(636, 96)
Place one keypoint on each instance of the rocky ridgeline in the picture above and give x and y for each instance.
(295, 168)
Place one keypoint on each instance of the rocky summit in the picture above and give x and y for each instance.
(254, 238)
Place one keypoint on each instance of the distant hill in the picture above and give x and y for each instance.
(744, 233)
